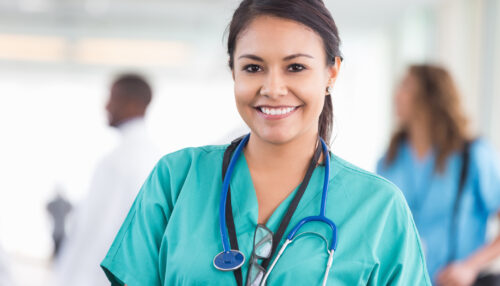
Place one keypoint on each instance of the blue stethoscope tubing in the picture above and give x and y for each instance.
(231, 259)
(322, 213)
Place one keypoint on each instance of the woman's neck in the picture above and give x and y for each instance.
(420, 138)
(294, 155)
(277, 169)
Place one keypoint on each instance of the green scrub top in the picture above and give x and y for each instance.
(171, 234)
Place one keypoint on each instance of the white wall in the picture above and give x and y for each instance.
(468, 46)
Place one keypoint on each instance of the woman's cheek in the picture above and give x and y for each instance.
(311, 95)
(246, 89)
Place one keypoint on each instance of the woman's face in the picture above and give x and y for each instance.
(405, 100)
(280, 78)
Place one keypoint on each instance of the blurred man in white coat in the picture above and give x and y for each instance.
(115, 184)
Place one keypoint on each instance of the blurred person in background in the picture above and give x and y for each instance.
(114, 186)
(59, 208)
(451, 181)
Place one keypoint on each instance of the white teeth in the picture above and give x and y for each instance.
(276, 111)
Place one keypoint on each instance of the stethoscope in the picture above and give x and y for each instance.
(232, 259)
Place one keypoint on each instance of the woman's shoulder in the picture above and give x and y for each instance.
(485, 159)
(181, 162)
(483, 155)
(481, 147)
(366, 189)
(368, 195)
(364, 183)
(190, 154)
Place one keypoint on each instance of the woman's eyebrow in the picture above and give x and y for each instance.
(252, 57)
(291, 57)
(287, 58)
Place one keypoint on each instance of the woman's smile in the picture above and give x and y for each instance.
(276, 112)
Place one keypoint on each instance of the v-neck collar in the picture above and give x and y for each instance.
(244, 198)
(416, 160)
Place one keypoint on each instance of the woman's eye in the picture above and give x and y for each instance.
(296, 67)
(252, 68)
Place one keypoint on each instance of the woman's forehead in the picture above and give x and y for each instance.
(278, 36)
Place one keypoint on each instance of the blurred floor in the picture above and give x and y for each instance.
(27, 271)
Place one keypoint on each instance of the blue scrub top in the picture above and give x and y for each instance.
(431, 196)
(171, 234)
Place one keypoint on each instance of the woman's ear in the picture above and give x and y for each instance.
(333, 71)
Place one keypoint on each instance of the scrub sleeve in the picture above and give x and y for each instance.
(140, 237)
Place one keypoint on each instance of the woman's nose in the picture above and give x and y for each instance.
(274, 85)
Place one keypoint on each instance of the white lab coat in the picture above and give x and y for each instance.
(115, 184)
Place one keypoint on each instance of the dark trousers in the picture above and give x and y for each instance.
(488, 280)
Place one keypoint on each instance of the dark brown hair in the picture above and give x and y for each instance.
(311, 13)
(438, 96)
(134, 87)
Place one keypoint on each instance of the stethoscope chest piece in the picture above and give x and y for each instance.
(229, 260)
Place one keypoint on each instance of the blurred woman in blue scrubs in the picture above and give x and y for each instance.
(425, 159)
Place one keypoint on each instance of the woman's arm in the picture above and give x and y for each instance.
(465, 272)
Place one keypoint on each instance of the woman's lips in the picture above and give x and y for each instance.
(276, 112)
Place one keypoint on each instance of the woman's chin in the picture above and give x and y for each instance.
(275, 137)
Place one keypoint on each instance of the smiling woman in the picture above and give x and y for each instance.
(291, 75)
(207, 209)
